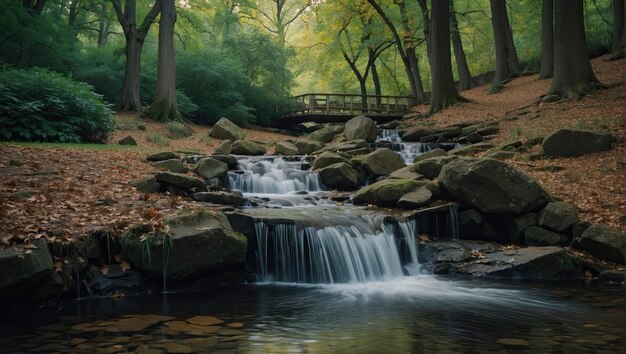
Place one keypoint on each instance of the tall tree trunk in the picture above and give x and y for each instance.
(507, 64)
(34, 8)
(102, 25)
(165, 108)
(425, 24)
(444, 93)
(619, 29)
(547, 39)
(466, 81)
(573, 75)
(415, 74)
(375, 78)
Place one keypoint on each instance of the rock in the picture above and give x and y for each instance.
(492, 186)
(328, 158)
(229, 160)
(360, 127)
(511, 145)
(226, 129)
(537, 236)
(180, 180)
(428, 154)
(160, 156)
(204, 320)
(17, 162)
(326, 134)
(199, 242)
(24, 194)
(220, 197)
(488, 130)
(558, 216)
(387, 192)
(208, 168)
(415, 134)
(381, 162)
(445, 252)
(129, 140)
(612, 275)
(603, 242)
(406, 173)
(358, 152)
(341, 176)
(448, 132)
(474, 138)
(146, 185)
(225, 148)
(471, 149)
(306, 147)
(576, 142)
(172, 165)
(431, 167)
(519, 223)
(533, 141)
(285, 148)
(22, 268)
(413, 200)
(579, 228)
(502, 155)
(245, 147)
(346, 146)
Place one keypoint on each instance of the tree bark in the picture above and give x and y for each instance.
(619, 29)
(547, 39)
(573, 75)
(444, 92)
(165, 108)
(409, 45)
(375, 78)
(507, 64)
(130, 99)
(102, 25)
(466, 81)
(34, 8)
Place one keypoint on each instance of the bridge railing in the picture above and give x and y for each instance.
(348, 104)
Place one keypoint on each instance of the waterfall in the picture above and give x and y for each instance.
(359, 252)
(407, 151)
(274, 175)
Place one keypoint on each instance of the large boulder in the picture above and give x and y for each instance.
(538, 236)
(146, 185)
(172, 165)
(576, 142)
(341, 176)
(360, 127)
(416, 199)
(406, 173)
(221, 197)
(381, 162)
(558, 216)
(229, 160)
(492, 186)
(352, 145)
(328, 158)
(603, 242)
(210, 168)
(246, 147)
(428, 154)
(181, 181)
(225, 148)
(22, 268)
(415, 134)
(387, 192)
(161, 156)
(306, 146)
(285, 148)
(226, 129)
(431, 167)
(197, 243)
(326, 134)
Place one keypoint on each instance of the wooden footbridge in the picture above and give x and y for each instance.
(332, 107)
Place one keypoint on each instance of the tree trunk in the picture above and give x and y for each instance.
(130, 99)
(375, 78)
(444, 93)
(33, 8)
(164, 108)
(102, 25)
(507, 64)
(619, 29)
(466, 81)
(573, 75)
(547, 39)
(415, 74)
(425, 24)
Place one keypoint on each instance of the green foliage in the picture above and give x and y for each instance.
(178, 130)
(159, 139)
(40, 105)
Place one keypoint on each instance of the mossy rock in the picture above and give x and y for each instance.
(387, 192)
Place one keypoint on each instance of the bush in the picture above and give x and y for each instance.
(178, 130)
(40, 105)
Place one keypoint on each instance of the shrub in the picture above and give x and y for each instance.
(40, 105)
(178, 130)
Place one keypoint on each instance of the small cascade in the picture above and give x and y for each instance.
(274, 175)
(335, 252)
(406, 150)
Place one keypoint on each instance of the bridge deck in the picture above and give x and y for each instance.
(327, 108)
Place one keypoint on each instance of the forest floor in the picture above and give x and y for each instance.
(60, 192)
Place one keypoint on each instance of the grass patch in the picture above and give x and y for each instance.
(71, 146)
(159, 139)
(179, 130)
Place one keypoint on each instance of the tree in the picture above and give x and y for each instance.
(130, 99)
(164, 108)
(507, 63)
(34, 8)
(573, 75)
(444, 92)
(547, 39)
(619, 29)
(466, 81)
(276, 17)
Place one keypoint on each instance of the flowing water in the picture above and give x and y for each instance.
(332, 278)
(408, 151)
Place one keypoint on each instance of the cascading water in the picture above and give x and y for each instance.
(406, 150)
(342, 248)
(273, 175)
